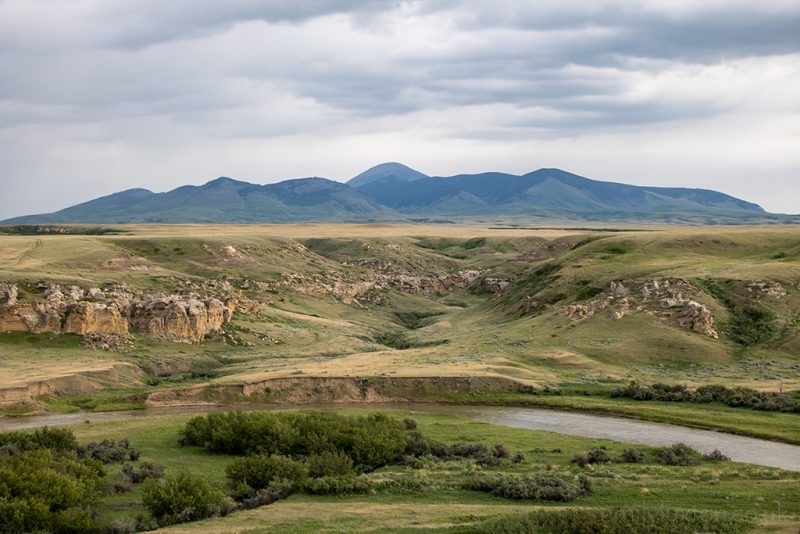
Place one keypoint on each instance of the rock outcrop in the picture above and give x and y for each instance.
(179, 318)
(115, 311)
(697, 317)
(351, 290)
(94, 317)
(672, 299)
(8, 294)
(766, 289)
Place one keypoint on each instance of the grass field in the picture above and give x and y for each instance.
(770, 495)
(464, 331)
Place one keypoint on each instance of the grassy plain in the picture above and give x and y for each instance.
(438, 502)
(465, 331)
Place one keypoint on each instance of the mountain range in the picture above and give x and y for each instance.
(395, 192)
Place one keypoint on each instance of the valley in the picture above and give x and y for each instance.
(693, 326)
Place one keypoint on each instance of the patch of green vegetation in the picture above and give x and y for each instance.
(414, 320)
(432, 486)
(735, 397)
(748, 325)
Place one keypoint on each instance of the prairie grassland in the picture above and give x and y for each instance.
(771, 495)
(464, 331)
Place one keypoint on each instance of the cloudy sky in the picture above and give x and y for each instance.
(98, 96)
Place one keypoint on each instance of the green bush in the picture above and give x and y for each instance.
(275, 491)
(631, 456)
(108, 451)
(677, 454)
(594, 456)
(329, 464)
(616, 521)
(534, 488)
(57, 439)
(144, 471)
(737, 396)
(252, 473)
(42, 491)
(370, 441)
(337, 485)
(182, 497)
(750, 326)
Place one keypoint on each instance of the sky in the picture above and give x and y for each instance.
(98, 96)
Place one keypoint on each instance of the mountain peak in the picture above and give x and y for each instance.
(402, 172)
(223, 181)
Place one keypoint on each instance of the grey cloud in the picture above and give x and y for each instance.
(140, 77)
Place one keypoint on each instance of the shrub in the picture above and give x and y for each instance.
(750, 326)
(526, 487)
(370, 441)
(518, 458)
(677, 454)
(337, 485)
(276, 491)
(410, 423)
(615, 521)
(418, 445)
(501, 451)
(182, 497)
(716, 456)
(123, 485)
(599, 456)
(252, 473)
(43, 491)
(56, 439)
(329, 464)
(488, 460)
(108, 451)
(738, 397)
(631, 456)
(144, 471)
(595, 456)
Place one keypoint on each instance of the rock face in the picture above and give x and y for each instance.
(93, 317)
(178, 318)
(114, 311)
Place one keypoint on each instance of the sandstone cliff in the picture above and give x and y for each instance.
(114, 311)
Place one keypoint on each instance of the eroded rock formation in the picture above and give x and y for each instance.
(114, 311)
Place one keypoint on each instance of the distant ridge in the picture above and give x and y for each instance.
(395, 192)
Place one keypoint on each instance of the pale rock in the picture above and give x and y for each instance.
(8, 294)
(769, 289)
(93, 317)
(72, 293)
(95, 293)
(698, 318)
(618, 290)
